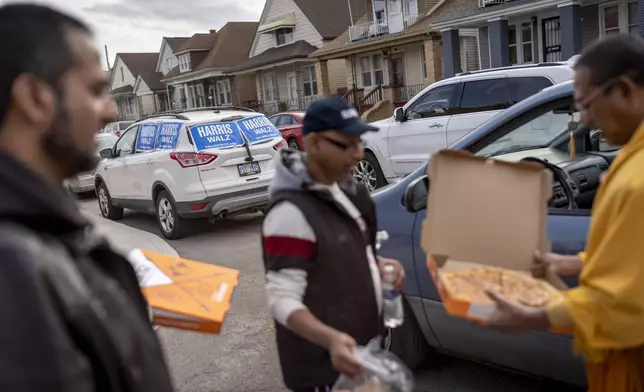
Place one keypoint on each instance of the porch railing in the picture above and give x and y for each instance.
(405, 93)
(373, 97)
(389, 25)
(485, 3)
(269, 108)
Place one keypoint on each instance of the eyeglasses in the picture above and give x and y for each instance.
(343, 146)
(585, 104)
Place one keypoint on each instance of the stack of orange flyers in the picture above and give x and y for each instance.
(185, 294)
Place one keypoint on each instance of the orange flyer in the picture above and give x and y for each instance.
(185, 294)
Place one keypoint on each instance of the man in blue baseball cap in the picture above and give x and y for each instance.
(319, 235)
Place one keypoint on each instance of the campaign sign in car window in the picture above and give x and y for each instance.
(258, 128)
(168, 136)
(146, 138)
(216, 135)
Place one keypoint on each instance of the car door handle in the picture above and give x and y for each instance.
(435, 125)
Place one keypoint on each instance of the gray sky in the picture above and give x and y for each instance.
(139, 25)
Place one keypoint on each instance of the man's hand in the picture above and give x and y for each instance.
(560, 264)
(399, 271)
(342, 356)
(510, 316)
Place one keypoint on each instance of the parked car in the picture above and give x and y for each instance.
(446, 111)
(84, 182)
(207, 163)
(116, 128)
(290, 126)
(522, 131)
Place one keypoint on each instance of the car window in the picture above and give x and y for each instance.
(485, 95)
(106, 141)
(275, 120)
(533, 132)
(124, 124)
(125, 145)
(287, 120)
(435, 102)
(523, 87)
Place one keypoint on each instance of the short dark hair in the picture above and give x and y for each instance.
(33, 39)
(614, 56)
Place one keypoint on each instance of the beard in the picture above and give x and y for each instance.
(58, 144)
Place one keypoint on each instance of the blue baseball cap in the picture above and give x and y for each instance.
(334, 113)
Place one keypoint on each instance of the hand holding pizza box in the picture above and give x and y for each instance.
(485, 219)
(184, 294)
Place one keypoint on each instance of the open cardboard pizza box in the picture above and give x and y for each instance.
(184, 294)
(484, 212)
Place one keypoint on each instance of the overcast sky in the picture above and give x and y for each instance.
(139, 25)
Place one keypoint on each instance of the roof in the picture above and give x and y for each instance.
(298, 49)
(471, 7)
(128, 88)
(152, 79)
(329, 17)
(175, 42)
(231, 46)
(198, 41)
(139, 63)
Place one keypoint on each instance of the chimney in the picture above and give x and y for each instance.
(213, 31)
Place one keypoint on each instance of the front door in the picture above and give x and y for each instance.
(291, 83)
(396, 18)
(397, 75)
(551, 40)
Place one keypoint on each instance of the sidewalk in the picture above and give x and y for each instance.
(125, 238)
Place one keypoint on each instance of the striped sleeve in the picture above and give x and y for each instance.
(289, 240)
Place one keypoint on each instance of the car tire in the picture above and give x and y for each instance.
(408, 341)
(172, 226)
(106, 205)
(293, 145)
(369, 173)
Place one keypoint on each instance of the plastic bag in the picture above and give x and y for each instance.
(383, 372)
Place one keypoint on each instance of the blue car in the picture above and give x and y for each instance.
(539, 129)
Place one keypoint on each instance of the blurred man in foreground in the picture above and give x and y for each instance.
(607, 308)
(72, 316)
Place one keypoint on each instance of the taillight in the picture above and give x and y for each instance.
(192, 159)
(280, 145)
(118, 133)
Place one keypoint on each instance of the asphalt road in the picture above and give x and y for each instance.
(244, 358)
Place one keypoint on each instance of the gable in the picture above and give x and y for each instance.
(304, 29)
(140, 87)
(121, 75)
(162, 51)
(164, 54)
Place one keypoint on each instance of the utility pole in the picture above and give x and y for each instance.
(107, 59)
(350, 13)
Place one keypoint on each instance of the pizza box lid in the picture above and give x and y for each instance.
(184, 294)
(485, 211)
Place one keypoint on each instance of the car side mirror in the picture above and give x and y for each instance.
(106, 153)
(416, 194)
(595, 141)
(399, 114)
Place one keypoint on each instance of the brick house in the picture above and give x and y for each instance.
(511, 32)
(200, 79)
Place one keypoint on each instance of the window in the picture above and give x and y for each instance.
(269, 87)
(380, 15)
(283, 36)
(286, 120)
(125, 145)
(172, 62)
(435, 102)
(124, 124)
(275, 120)
(485, 95)
(372, 70)
(423, 62)
(620, 16)
(410, 9)
(521, 43)
(122, 75)
(184, 63)
(225, 95)
(309, 81)
(523, 87)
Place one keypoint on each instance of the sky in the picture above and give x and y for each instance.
(139, 25)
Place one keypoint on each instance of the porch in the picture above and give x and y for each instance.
(126, 102)
(530, 31)
(221, 90)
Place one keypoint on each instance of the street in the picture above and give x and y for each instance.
(243, 358)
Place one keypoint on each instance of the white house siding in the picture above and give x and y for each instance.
(304, 30)
(413, 64)
(118, 79)
(142, 89)
(165, 54)
(337, 71)
(147, 104)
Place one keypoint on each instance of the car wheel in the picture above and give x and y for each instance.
(292, 144)
(368, 172)
(408, 341)
(108, 209)
(172, 225)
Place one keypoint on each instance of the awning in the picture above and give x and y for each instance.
(287, 20)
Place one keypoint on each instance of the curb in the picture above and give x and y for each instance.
(126, 238)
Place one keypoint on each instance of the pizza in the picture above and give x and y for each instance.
(471, 285)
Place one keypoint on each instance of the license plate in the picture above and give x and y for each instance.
(248, 169)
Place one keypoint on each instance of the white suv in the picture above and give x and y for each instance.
(444, 112)
(203, 163)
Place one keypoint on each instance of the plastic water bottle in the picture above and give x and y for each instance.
(392, 307)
